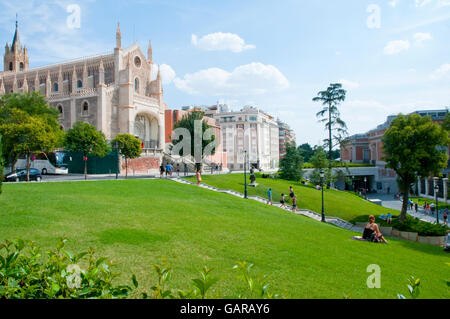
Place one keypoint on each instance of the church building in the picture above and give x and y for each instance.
(116, 93)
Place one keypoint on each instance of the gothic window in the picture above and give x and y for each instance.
(21, 66)
(10, 66)
(79, 84)
(85, 108)
(60, 109)
(137, 62)
(136, 85)
(55, 87)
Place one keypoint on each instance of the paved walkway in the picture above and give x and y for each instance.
(389, 201)
(331, 220)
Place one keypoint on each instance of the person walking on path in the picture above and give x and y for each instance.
(178, 169)
(269, 197)
(291, 193)
(161, 170)
(416, 206)
(199, 178)
(283, 201)
(294, 204)
(185, 169)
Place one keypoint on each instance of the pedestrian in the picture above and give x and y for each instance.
(269, 197)
(432, 208)
(283, 201)
(294, 204)
(161, 170)
(178, 169)
(389, 218)
(291, 193)
(199, 177)
(445, 216)
(185, 169)
(416, 206)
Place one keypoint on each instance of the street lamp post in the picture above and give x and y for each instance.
(353, 184)
(365, 187)
(436, 191)
(245, 173)
(322, 175)
(116, 148)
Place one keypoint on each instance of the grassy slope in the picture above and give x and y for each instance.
(137, 223)
(337, 204)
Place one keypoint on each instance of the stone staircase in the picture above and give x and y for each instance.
(307, 213)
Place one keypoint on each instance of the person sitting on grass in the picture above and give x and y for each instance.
(389, 218)
(372, 232)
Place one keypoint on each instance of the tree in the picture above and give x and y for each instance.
(414, 146)
(188, 123)
(306, 151)
(331, 116)
(291, 166)
(129, 146)
(84, 138)
(320, 163)
(32, 104)
(1, 164)
(25, 135)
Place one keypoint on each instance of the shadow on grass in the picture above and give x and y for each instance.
(130, 237)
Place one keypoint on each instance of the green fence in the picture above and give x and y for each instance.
(95, 165)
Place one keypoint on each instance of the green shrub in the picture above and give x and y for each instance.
(415, 225)
(24, 274)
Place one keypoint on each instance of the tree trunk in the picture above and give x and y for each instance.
(28, 167)
(126, 168)
(405, 203)
(330, 143)
(85, 167)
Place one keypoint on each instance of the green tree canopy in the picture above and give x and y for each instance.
(414, 146)
(330, 115)
(84, 138)
(27, 134)
(15, 109)
(208, 143)
(291, 166)
(129, 146)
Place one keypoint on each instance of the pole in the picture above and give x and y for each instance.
(436, 190)
(323, 206)
(245, 173)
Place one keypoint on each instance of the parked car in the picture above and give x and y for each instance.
(20, 175)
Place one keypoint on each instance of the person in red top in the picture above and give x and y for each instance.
(199, 178)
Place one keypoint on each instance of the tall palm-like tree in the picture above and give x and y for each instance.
(330, 115)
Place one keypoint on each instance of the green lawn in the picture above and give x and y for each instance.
(139, 222)
(344, 205)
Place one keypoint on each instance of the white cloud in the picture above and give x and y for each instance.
(442, 72)
(250, 79)
(349, 85)
(421, 3)
(443, 3)
(421, 37)
(393, 3)
(167, 74)
(395, 47)
(221, 42)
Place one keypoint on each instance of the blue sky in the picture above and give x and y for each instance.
(392, 56)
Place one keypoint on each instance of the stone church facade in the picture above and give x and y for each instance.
(116, 92)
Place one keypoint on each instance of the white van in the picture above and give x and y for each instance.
(51, 163)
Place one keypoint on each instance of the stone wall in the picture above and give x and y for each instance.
(142, 165)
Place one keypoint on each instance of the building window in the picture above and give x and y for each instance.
(79, 84)
(85, 108)
(136, 84)
(60, 109)
(21, 66)
(55, 87)
(10, 66)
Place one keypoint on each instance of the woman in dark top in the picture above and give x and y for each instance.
(372, 232)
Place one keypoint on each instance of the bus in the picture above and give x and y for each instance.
(50, 163)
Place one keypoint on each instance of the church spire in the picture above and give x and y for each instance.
(118, 37)
(150, 52)
(16, 39)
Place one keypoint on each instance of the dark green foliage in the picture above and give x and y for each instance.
(414, 146)
(84, 138)
(291, 166)
(1, 164)
(25, 275)
(306, 151)
(129, 147)
(415, 225)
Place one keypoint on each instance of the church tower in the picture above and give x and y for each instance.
(16, 56)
